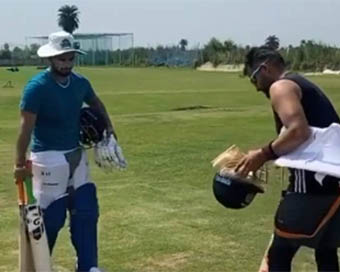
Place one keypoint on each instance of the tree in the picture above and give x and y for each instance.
(229, 45)
(214, 52)
(17, 53)
(6, 46)
(68, 18)
(183, 44)
(5, 53)
(273, 42)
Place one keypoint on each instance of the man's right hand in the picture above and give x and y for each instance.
(21, 173)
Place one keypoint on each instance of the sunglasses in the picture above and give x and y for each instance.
(253, 75)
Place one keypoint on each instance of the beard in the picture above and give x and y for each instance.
(62, 72)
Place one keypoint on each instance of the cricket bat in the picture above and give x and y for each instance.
(25, 252)
(35, 228)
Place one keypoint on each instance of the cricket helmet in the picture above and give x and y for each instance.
(92, 126)
(234, 192)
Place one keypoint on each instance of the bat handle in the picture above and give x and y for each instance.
(21, 190)
(30, 199)
(22, 195)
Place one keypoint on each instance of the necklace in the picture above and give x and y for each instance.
(284, 74)
(64, 85)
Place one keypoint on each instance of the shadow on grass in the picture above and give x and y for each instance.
(195, 107)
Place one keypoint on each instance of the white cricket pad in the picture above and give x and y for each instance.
(51, 175)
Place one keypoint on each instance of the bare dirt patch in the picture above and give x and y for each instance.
(169, 261)
(209, 67)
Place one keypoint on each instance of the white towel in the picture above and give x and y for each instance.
(320, 153)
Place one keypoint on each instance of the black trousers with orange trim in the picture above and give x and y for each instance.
(282, 251)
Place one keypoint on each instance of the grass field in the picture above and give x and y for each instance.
(160, 214)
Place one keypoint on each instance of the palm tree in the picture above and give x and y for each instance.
(183, 44)
(68, 18)
(273, 42)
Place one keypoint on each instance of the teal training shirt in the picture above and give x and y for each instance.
(57, 108)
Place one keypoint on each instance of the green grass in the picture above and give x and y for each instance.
(160, 214)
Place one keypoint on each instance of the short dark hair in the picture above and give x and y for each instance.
(261, 54)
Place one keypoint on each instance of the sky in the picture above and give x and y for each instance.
(166, 22)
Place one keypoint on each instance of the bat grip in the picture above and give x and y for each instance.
(21, 191)
(30, 199)
(20, 183)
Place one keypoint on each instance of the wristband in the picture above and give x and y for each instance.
(19, 168)
(272, 150)
(269, 152)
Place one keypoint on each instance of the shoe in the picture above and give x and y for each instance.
(95, 269)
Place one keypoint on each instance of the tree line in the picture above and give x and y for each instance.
(307, 56)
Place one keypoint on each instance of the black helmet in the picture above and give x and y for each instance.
(92, 126)
(234, 192)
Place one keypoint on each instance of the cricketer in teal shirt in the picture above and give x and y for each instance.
(57, 108)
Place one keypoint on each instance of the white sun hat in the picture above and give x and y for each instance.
(59, 43)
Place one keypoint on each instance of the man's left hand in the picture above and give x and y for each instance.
(252, 161)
